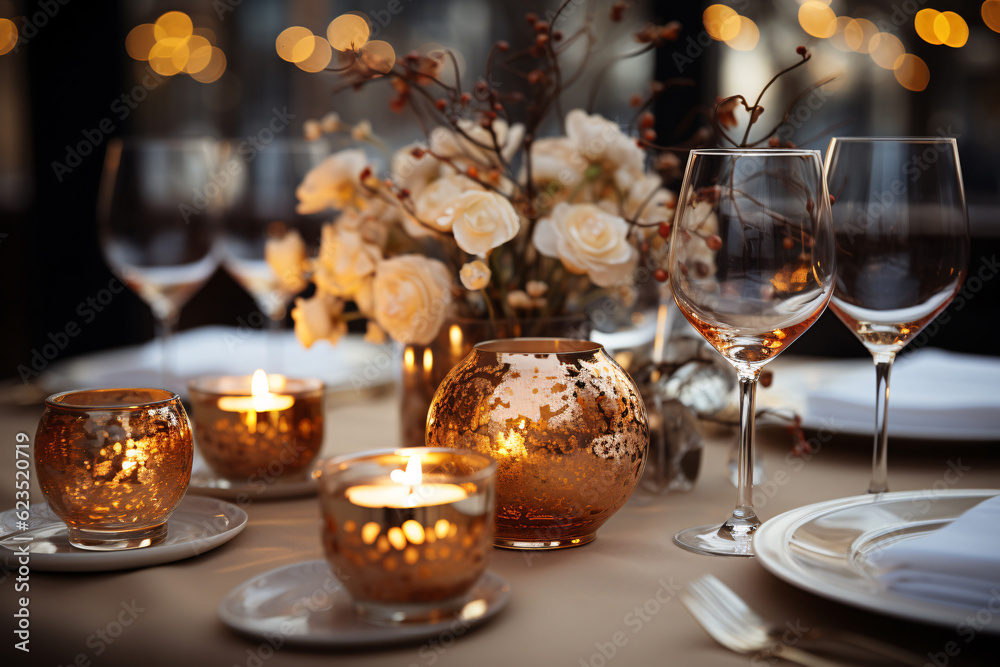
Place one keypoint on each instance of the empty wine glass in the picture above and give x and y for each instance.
(157, 213)
(752, 267)
(902, 249)
(260, 203)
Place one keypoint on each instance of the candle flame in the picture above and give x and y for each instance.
(408, 359)
(428, 360)
(412, 475)
(258, 384)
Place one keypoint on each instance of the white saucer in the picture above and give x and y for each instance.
(830, 549)
(205, 482)
(196, 526)
(307, 606)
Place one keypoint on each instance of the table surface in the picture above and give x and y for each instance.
(568, 607)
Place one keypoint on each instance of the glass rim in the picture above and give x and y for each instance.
(56, 400)
(308, 385)
(900, 140)
(801, 152)
(536, 345)
(342, 462)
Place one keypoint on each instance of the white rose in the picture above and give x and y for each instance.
(481, 221)
(432, 203)
(475, 275)
(479, 145)
(287, 258)
(414, 173)
(318, 318)
(411, 295)
(601, 141)
(556, 160)
(344, 261)
(333, 183)
(588, 240)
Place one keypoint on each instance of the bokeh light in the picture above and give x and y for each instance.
(348, 32)
(747, 37)
(912, 72)
(951, 29)
(173, 24)
(990, 11)
(214, 69)
(172, 45)
(839, 38)
(858, 34)
(924, 23)
(721, 22)
(318, 56)
(287, 44)
(817, 19)
(378, 56)
(8, 35)
(886, 50)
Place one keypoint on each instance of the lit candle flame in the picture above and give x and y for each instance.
(413, 474)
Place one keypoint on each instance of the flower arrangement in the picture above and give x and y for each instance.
(485, 217)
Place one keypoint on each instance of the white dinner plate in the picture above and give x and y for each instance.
(307, 606)
(830, 549)
(205, 482)
(196, 526)
(350, 369)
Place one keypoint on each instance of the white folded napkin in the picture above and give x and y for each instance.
(957, 565)
(930, 390)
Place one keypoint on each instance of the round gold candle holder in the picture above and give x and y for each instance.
(565, 424)
(114, 464)
(247, 438)
(408, 549)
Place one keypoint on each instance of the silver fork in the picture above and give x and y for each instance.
(733, 624)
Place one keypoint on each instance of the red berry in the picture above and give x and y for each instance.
(647, 120)
(801, 50)
(542, 26)
(466, 98)
(472, 172)
(531, 18)
(557, 35)
(535, 76)
(832, 199)
(766, 377)
(441, 104)
(649, 135)
(503, 45)
(661, 275)
(787, 243)
(664, 230)
(635, 100)
(714, 242)
(541, 39)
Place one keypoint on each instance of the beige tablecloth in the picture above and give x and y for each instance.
(607, 603)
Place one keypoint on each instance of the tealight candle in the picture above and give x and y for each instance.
(408, 531)
(258, 428)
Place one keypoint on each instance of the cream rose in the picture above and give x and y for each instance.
(287, 258)
(556, 160)
(588, 240)
(414, 173)
(601, 141)
(333, 183)
(345, 260)
(479, 145)
(411, 295)
(481, 221)
(432, 203)
(475, 275)
(318, 318)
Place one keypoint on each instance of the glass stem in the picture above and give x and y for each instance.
(275, 307)
(165, 325)
(880, 455)
(744, 521)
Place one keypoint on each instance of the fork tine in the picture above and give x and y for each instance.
(720, 625)
(740, 622)
(709, 622)
(731, 601)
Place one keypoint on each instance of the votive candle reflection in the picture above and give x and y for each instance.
(408, 532)
(261, 427)
(113, 464)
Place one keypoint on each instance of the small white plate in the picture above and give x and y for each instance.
(196, 526)
(830, 548)
(205, 482)
(308, 607)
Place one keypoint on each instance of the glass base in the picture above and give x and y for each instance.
(561, 543)
(117, 540)
(389, 613)
(714, 540)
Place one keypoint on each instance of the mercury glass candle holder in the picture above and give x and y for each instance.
(565, 424)
(408, 532)
(247, 436)
(114, 464)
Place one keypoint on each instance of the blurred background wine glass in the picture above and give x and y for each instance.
(157, 218)
(260, 203)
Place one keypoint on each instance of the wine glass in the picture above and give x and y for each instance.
(752, 267)
(260, 204)
(157, 211)
(902, 249)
